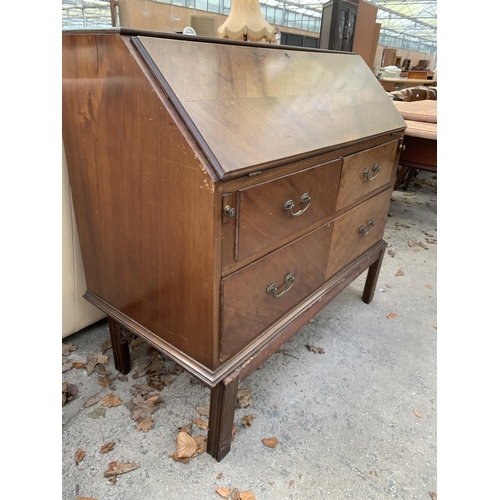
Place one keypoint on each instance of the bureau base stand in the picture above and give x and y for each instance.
(223, 382)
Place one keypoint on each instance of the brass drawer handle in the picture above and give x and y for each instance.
(272, 289)
(305, 198)
(375, 170)
(365, 231)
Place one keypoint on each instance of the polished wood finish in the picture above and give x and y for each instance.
(182, 153)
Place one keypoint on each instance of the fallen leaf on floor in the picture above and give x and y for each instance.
(434, 326)
(111, 401)
(123, 378)
(117, 468)
(69, 392)
(400, 273)
(189, 447)
(224, 492)
(244, 397)
(391, 214)
(391, 253)
(145, 424)
(77, 365)
(67, 364)
(235, 495)
(203, 410)
(135, 342)
(423, 245)
(234, 432)
(79, 455)
(428, 286)
(67, 348)
(202, 424)
(106, 345)
(246, 495)
(416, 249)
(433, 495)
(86, 498)
(317, 350)
(113, 480)
(104, 381)
(417, 414)
(392, 315)
(105, 448)
(92, 401)
(411, 243)
(219, 475)
(98, 412)
(270, 442)
(186, 428)
(431, 240)
(247, 420)
(142, 407)
(291, 483)
(202, 444)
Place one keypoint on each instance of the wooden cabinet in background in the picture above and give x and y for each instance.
(338, 25)
(224, 193)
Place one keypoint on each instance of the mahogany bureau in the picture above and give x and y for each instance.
(224, 193)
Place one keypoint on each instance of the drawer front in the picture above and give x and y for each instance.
(358, 230)
(274, 210)
(249, 305)
(366, 171)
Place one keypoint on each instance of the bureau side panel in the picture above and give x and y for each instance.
(143, 201)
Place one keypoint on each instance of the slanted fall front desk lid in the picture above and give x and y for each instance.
(250, 107)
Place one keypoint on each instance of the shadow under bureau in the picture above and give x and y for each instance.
(224, 193)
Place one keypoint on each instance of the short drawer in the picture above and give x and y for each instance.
(249, 301)
(366, 171)
(274, 210)
(358, 230)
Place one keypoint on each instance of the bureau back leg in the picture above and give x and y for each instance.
(119, 343)
(372, 278)
(221, 418)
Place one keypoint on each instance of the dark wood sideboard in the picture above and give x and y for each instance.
(224, 193)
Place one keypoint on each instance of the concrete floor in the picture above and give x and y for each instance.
(357, 422)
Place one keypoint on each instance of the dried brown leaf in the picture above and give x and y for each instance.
(244, 397)
(110, 401)
(317, 350)
(102, 359)
(67, 364)
(400, 273)
(219, 475)
(391, 253)
(204, 411)
(117, 468)
(423, 245)
(143, 408)
(428, 286)
(77, 365)
(67, 348)
(270, 442)
(104, 381)
(235, 495)
(175, 456)
(247, 420)
(92, 401)
(69, 392)
(106, 345)
(417, 414)
(186, 428)
(202, 424)
(246, 495)
(224, 492)
(392, 315)
(79, 455)
(433, 495)
(105, 448)
(145, 424)
(201, 441)
(187, 447)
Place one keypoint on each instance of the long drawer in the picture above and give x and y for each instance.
(358, 230)
(256, 296)
(271, 211)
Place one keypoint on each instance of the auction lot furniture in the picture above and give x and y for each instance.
(420, 141)
(391, 84)
(224, 193)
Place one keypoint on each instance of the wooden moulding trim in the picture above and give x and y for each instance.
(420, 166)
(248, 359)
(178, 106)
